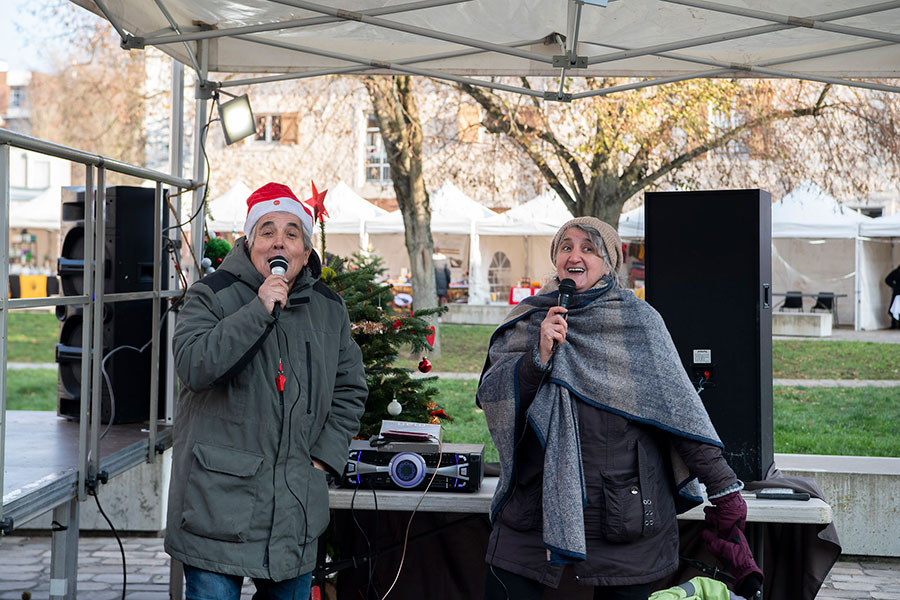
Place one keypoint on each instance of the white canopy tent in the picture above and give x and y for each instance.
(229, 211)
(458, 39)
(521, 238)
(453, 220)
(345, 225)
(452, 38)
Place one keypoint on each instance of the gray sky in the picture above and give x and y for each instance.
(19, 49)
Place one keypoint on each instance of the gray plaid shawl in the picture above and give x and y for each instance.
(618, 356)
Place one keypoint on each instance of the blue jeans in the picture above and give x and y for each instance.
(206, 585)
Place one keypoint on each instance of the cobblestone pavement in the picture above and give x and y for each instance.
(25, 567)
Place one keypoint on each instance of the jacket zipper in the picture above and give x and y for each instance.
(308, 379)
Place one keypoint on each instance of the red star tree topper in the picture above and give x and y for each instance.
(317, 202)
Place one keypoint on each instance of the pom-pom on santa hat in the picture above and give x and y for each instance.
(276, 197)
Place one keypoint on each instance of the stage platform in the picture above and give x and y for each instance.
(41, 459)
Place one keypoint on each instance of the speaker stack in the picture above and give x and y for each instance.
(128, 268)
(709, 269)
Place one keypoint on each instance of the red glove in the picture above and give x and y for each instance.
(724, 538)
(729, 511)
(735, 554)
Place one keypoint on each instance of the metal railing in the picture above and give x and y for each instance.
(96, 167)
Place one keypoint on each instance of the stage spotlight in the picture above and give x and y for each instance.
(237, 118)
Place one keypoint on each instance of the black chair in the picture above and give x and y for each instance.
(825, 302)
(792, 301)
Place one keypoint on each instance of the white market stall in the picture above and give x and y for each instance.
(881, 245)
(228, 211)
(345, 225)
(515, 245)
(453, 219)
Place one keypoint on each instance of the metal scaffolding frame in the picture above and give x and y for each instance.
(61, 493)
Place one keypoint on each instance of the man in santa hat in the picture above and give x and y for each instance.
(273, 388)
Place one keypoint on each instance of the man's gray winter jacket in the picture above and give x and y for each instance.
(245, 498)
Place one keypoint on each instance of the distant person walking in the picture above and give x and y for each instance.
(893, 281)
(441, 278)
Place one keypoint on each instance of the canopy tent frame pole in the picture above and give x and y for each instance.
(176, 166)
(187, 47)
(4, 315)
(199, 174)
(137, 42)
(393, 67)
(734, 35)
(789, 20)
(726, 70)
(355, 69)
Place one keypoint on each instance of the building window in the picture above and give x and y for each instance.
(378, 170)
(17, 96)
(268, 128)
(499, 276)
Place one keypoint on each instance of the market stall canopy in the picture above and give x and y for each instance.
(347, 210)
(452, 212)
(542, 215)
(631, 38)
(229, 211)
(631, 224)
(888, 226)
(810, 212)
(40, 211)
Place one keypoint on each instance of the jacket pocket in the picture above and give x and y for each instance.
(220, 493)
(524, 511)
(623, 511)
(309, 486)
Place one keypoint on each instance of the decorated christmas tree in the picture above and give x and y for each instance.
(382, 331)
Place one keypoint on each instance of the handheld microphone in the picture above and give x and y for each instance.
(566, 289)
(278, 266)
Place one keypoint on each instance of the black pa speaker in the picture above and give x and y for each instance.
(708, 272)
(128, 268)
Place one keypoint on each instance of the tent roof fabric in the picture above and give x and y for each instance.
(542, 215)
(347, 209)
(452, 212)
(808, 211)
(229, 211)
(887, 226)
(690, 38)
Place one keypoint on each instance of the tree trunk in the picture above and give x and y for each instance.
(398, 118)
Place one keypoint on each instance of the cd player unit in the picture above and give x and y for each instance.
(410, 468)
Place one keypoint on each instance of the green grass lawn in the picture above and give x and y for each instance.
(841, 421)
(31, 389)
(849, 421)
(32, 337)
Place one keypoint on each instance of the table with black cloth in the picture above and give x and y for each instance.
(447, 561)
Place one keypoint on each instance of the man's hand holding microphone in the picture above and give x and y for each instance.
(274, 290)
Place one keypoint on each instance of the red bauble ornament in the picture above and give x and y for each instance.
(398, 323)
(424, 365)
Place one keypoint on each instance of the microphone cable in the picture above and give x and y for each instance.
(287, 354)
(409, 523)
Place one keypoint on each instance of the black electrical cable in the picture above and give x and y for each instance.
(93, 492)
(287, 353)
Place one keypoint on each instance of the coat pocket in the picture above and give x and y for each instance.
(623, 511)
(309, 487)
(524, 511)
(220, 493)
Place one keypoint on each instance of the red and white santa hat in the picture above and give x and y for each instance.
(276, 197)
